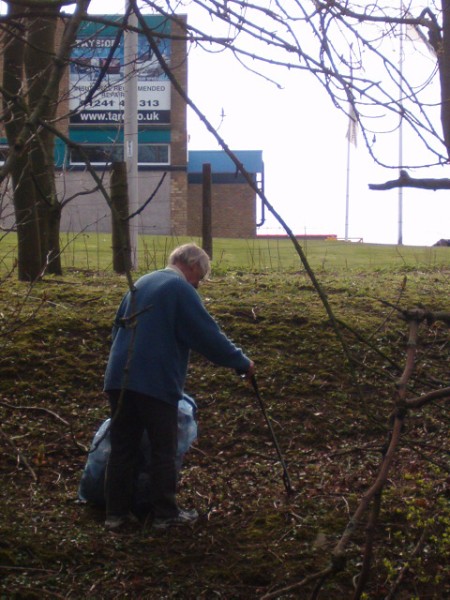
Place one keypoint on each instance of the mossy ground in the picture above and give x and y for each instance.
(331, 419)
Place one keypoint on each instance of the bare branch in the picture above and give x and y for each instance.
(406, 181)
(20, 455)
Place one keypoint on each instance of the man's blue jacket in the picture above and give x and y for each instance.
(155, 328)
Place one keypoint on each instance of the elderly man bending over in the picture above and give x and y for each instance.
(156, 326)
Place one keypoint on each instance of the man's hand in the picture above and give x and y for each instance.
(251, 371)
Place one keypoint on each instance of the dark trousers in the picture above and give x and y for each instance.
(129, 417)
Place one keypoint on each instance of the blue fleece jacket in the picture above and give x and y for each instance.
(170, 320)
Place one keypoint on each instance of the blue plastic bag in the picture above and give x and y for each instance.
(92, 483)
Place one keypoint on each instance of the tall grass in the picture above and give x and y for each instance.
(92, 251)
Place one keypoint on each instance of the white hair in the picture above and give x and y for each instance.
(191, 254)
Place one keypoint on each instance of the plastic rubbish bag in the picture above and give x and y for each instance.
(91, 488)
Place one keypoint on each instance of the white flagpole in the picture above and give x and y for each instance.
(347, 191)
(400, 134)
(351, 139)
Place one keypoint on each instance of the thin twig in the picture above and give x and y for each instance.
(295, 586)
(53, 414)
(20, 455)
(35, 408)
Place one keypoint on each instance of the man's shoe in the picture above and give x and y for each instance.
(184, 517)
(120, 523)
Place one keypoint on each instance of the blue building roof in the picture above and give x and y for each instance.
(221, 163)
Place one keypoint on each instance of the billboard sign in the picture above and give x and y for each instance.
(90, 55)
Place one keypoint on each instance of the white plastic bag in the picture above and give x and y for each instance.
(92, 483)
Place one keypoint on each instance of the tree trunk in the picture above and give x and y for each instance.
(54, 248)
(120, 226)
(443, 54)
(30, 266)
(29, 248)
(38, 61)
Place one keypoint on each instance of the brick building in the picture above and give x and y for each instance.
(233, 200)
(168, 175)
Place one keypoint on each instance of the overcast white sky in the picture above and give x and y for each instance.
(303, 138)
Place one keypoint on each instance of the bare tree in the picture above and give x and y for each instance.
(38, 58)
(37, 41)
(24, 199)
(351, 48)
(32, 71)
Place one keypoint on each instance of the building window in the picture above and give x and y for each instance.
(153, 154)
(103, 154)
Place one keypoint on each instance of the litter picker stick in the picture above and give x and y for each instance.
(286, 478)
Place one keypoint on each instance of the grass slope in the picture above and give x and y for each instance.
(93, 251)
(331, 420)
